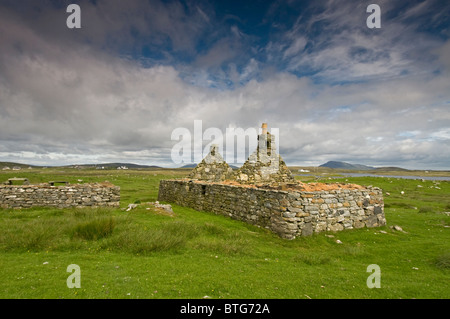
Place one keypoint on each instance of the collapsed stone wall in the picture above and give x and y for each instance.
(212, 168)
(44, 195)
(271, 170)
(264, 165)
(288, 213)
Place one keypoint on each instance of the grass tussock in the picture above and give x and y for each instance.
(68, 229)
(141, 240)
(313, 259)
(213, 229)
(62, 230)
(34, 234)
(399, 205)
(116, 248)
(54, 229)
(228, 244)
(426, 209)
(443, 261)
(353, 250)
(95, 229)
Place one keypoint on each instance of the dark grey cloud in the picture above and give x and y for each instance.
(72, 97)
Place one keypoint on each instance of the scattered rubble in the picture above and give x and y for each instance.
(398, 228)
(165, 208)
(131, 206)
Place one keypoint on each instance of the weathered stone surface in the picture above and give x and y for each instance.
(44, 195)
(307, 229)
(264, 165)
(264, 192)
(336, 227)
(261, 206)
(372, 221)
(358, 224)
(212, 168)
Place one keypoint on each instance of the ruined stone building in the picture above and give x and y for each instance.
(264, 192)
(212, 168)
(264, 165)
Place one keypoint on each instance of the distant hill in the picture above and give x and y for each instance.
(189, 166)
(396, 169)
(114, 165)
(11, 165)
(344, 165)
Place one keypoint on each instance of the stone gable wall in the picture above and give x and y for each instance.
(264, 165)
(212, 168)
(271, 170)
(287, 213)
(77, 195)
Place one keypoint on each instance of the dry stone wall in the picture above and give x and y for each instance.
(264, 165)
(287, 213)
(44, 195)
(212, 168)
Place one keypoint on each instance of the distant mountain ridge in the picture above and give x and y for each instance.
(115, 165)
(104, 165)
(330, 164)
(189, 166)
(344, 165)
(12, 164)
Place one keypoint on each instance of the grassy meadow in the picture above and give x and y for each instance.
(146, 253)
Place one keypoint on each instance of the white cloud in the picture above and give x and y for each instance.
(443, 134)
(66, 103)
(296, 47)
(346, 50)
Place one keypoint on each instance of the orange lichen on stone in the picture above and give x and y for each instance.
(296, 186)
(313, 187)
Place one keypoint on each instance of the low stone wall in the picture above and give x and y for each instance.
(44, 195)
(288, 213)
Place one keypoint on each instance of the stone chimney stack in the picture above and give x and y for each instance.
(264, 165)
(266, 141)
(214, 149)
(264, 128)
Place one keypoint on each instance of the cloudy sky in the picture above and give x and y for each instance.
(115, 89)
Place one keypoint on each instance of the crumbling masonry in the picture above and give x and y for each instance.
(46, 195)
(263, 192)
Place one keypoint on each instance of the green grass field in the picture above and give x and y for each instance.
(144, 253)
